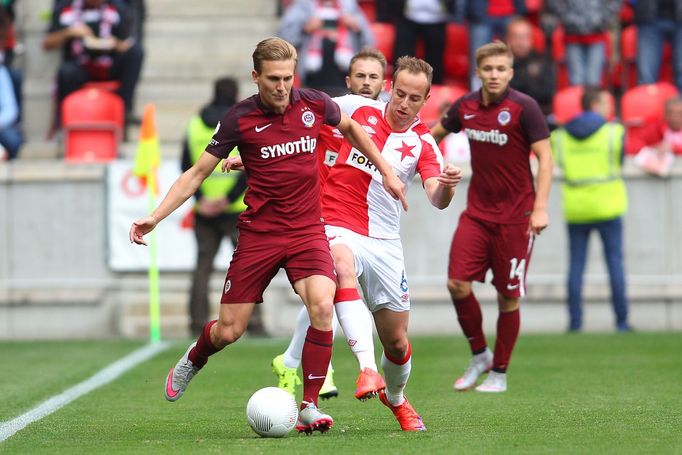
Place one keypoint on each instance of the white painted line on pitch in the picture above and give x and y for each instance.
(101, 378)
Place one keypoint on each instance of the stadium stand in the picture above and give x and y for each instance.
(641, 106)
(628, 59)
(456, 58)
(92, 122)
(566, 104)
(442, 96)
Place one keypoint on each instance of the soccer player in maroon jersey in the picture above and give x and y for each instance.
(365, 78)
(275, 132)
(504, 210)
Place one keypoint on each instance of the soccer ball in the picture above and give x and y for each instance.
(271, 412)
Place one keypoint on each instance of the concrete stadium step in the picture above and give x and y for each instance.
(210, 8)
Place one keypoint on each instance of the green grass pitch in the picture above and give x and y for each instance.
(589, 393)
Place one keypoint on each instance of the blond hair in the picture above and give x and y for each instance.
(497, 47)
(273, 49)
(413, 65)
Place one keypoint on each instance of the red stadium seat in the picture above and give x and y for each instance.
(92, 121)
(628, 55)
(456, 58)
(567, 104)
(384, 37)
(442, 96)
(642, 106)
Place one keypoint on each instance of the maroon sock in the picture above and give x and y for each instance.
(471, 320)
(204, 348)
(508, 325)
(317, 351)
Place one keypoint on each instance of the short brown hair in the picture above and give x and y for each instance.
(497, 47)
(273, 49)
(413, 65)
(591, 94)
(369, 53)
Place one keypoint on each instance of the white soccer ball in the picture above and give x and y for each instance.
(271, 412)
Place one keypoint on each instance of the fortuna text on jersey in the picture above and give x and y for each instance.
(303, 145)
(360, 161)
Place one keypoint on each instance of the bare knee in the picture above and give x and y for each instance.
(459, 289)
(320, 314)
(345, 274)
(507, 304)
(224, 334)
(397, 347)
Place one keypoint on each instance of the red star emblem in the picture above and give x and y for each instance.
(405, 150)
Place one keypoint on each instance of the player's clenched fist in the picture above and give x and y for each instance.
(450, 176)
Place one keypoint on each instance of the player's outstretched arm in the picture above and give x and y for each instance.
(539, 219)
(359, 139)
(440, 190)
(183, 188)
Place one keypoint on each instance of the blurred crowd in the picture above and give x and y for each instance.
(558, 45)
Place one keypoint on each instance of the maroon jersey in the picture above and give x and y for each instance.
(282, 172)
(500, 135)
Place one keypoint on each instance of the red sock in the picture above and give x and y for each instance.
(317, 351)
(471, 320)
(508, 325)
(204, 348)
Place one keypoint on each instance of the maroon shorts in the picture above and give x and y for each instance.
(260, 255)
(479, 245)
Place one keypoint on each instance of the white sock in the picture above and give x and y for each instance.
(356, 322)
(292, 356)
(294, 352)
(396, 377)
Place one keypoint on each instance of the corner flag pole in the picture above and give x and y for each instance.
(147, 160)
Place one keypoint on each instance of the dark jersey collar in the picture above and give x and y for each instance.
(498, 101)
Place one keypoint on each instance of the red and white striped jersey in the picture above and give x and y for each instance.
(354, 196)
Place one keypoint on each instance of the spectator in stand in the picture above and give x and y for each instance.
(664, 141)
(11, 137)
(487, 19)
(589, 151)
(95, 38)
(533, 71)
(585, 23)
(658, 21)
(326, 34)
(425, 19)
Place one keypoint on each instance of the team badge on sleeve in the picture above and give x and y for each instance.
(503, 117)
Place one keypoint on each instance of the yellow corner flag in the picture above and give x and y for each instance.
(148, 156)
(147, 160)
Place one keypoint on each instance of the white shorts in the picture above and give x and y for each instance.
(379, 267)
